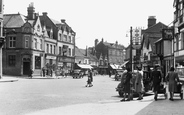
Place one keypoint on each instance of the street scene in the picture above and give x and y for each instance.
(100, 57)
(68, 96)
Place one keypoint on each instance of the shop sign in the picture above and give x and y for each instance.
(51, 57)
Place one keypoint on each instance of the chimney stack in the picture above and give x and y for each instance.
(151, 21)
(96, 42)
(31, 11)
(63, 20)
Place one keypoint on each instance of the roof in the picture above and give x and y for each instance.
(78, 52)
(112, 45)
(55, 21)
(13, 20)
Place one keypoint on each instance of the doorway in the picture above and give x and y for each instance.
(26, 67)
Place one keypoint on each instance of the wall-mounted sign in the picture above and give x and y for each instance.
(167, 34)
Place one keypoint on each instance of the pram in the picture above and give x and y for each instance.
(179, 89)
(162, 90)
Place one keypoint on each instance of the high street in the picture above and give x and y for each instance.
(68, 96)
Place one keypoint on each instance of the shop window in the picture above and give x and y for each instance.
(37, 62)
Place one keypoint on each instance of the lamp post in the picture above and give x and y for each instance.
(131, 67)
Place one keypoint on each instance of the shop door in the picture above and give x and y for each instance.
(26, 67)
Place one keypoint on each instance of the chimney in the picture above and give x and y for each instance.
(102, 40)
(31, 11)
(44, 13)
(96, 42)
(151, 21)
(63, 20)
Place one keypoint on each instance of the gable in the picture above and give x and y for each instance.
(37, 27)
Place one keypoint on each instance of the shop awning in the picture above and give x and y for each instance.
(113, 66)
(123, 65)
(85, 66)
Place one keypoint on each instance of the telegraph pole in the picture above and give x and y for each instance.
(131, 67)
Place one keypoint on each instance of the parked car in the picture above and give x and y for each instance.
(78, 73)
(118, 74)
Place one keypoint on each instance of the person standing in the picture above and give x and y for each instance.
(128, 76)
(156, 79)
(173, 78)
(139, 83)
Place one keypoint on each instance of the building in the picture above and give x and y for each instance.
(110, 55)
(148, 49)
(23, 49)
(2, 39)
(178, 42)
(36, 41)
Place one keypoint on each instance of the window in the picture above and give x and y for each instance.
(12, 60)
(41, 44)
(38, 28)
(54, 49)
(12, 42)
(69, 39)
(60, 38)
(26, 41)
(59, 50)
(69, 51)
(65, 38)
(51, 49)
(37, 62)
(47, 48)
(35, 43)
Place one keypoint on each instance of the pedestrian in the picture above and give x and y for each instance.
(110, 73)
(156, 78)
(126, 83)
(172, 78)
(30, 75)
(90, 78)
(43, 71)
(139, 87)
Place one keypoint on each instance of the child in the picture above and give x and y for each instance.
(89, 82)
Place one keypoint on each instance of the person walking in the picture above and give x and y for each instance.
(90, 78)
(128, 76)
(172, 78)
(156, 79)
(139, 87)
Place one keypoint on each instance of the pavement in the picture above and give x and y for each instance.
(9, 78)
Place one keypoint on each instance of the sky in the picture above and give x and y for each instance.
(97, 19)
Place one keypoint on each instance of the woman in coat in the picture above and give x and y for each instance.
(173, 78)
(126, 84)
(156, 78)
(139, 83)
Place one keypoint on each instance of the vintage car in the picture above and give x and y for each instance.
(78, 73)
(118, 74)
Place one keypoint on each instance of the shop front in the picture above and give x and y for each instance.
(50, 64)
(65, 64)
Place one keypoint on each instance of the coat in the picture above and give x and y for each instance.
(172, 77)
(156, 78)
(127, 82)
(139, 87)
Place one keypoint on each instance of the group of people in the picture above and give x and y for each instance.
(156, 79)
(126, 84)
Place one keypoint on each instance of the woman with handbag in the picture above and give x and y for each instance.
(172, 78)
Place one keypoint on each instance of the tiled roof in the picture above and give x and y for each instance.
(55, 21)
(13, 20)
(78, 52)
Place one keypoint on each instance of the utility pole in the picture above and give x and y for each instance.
(131, 67)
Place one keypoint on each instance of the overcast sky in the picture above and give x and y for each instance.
(97, 19)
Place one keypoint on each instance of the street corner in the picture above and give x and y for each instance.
(8, 80)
